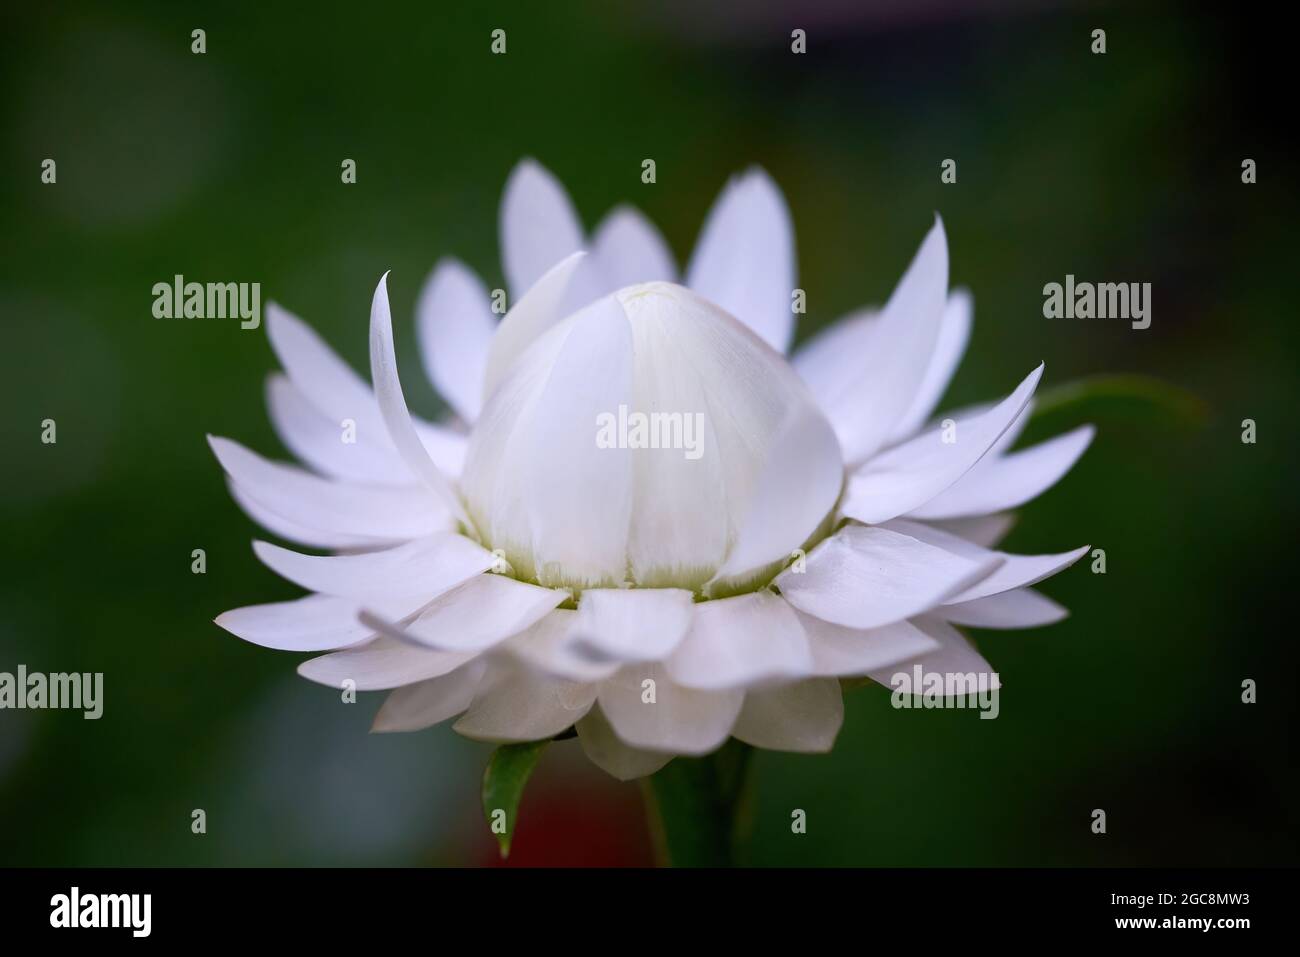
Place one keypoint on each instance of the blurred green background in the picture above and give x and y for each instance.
(225, 166)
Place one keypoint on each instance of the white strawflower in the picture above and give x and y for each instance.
(644, 522)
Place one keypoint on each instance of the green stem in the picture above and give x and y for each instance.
(700, 809)
(1174, 399)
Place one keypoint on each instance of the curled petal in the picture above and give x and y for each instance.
(360, 513)
(1009, 481)
(419, 706)
(392, 405)
(909, 475)
(1011, 571)
(867, 577)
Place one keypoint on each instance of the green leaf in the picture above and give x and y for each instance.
(504, 779)
(1175, 400)
(700, 809)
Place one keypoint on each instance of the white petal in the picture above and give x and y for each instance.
(956, 655)
(539, 226)
(314, 623)
(954, 334)
(314, 438)
(804, 716)
(333, 389)
(632, 624)
(1012, 434)
(299, 534)
(744, 258)
(445, 446)
(533, 314)
(867, 577)
(971, 413)
(844, 652)
(833, 359)
(474, 616)
(679, 369)
(1018, 571)
(548, 646)
(735, 642)
(372, 513)
(909, 475)
(986, 530)
(592, 375)
(495, 482)
(392, 405)
(628, 249)
(1019, 608)
(662, 715)
(424, 568)
(798, 486)
(326, 380)
(903, 341)
(1012, 571)
(455, 327)
(1009, 481)
(611, 755)
(516, 703)
(379, 665)
(419, 706)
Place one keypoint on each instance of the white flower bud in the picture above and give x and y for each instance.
(629, 445)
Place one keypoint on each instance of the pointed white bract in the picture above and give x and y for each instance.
(392, 405)
(744, 259)
(642, 522)
(909, 475)
(892, 372)
(363, 513)
(627, 250)
(539, 226)
(314, 623)
(455, 324)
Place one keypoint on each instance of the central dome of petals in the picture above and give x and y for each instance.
(649, 440)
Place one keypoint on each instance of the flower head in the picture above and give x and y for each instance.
(643, 520)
